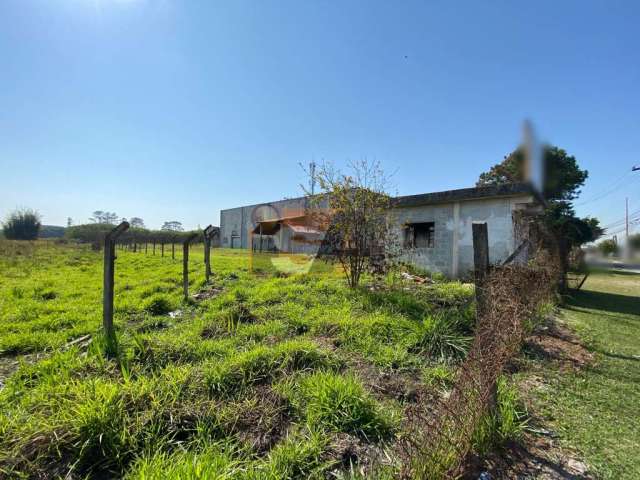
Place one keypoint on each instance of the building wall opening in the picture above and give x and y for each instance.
(419, 235)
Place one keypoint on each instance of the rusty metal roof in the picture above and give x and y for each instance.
(295, 223)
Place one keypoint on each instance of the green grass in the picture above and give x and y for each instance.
(597, 410)
(340, 403)
(259, 381)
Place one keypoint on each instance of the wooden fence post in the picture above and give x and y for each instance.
(480, 272)
(173, 251)
(107, 288)
(154, 247)
(208, 233)
(185, 264)
(480, 262)
(162, 249)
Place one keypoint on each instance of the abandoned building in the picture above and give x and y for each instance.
(434, 228)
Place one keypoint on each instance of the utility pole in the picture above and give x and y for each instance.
(627, 252)
(627, 249)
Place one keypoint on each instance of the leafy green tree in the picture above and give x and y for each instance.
(22, 224)
(634, 242)
(560, 217)
(608, 247)
(563, 175)
(563, 179)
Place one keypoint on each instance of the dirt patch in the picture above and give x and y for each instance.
(10, 364)
(214, 330)
(262, 420)
(535, 456)
(326, 342)
(556, 343)
(206, 294)
(402, 386)
(353, 454)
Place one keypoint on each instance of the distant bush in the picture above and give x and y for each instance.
(51, 231)
(89, 233)
(608, 247)
(22, 224)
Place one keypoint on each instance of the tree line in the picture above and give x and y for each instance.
(26, 224)
(94, 233)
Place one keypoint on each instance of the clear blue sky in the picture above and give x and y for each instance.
(171, 109)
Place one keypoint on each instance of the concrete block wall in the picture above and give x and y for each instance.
(497, 213)
(452, 253)
(437, 258)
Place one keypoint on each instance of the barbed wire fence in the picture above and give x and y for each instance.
(122, 237)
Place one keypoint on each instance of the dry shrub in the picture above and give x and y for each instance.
(512, 294)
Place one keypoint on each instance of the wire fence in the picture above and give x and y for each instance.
(512, 295)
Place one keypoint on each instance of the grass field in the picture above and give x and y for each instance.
(596, 409)
(273, 374)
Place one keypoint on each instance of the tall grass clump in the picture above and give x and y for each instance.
(158, 305)
(441, 337)
(22, 224)
(506, 422)
(263, 363)
(214, 462)
(340, 403)
(298, 456)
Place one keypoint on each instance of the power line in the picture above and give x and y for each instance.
(621, 226)
(621, 221)
(611, 188)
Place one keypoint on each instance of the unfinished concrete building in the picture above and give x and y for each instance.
(434, 228)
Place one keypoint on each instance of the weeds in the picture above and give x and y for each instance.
(507, 422)
(441, 338)
(264, 363)
(340, 403)
(158, 304)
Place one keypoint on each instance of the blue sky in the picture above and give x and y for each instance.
(174, 109)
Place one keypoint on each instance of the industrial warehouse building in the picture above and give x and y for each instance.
(434, 228)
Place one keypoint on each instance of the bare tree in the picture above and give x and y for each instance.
(136, 222)
(97, 216)
(111, 217)
(352, 209)
(104, 217)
